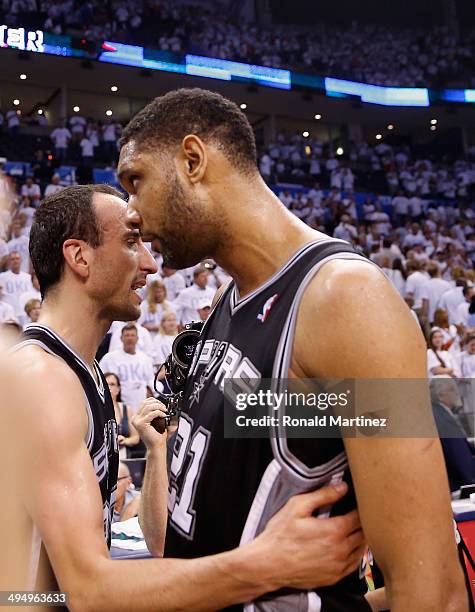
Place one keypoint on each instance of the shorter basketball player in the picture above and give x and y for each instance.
(90, 262)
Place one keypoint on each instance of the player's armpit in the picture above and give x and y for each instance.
(364, 330)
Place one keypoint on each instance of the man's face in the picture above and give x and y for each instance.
(16, 230)
(168, 205)
(204, 313)
(129, 340)
(15, 262)
(166, 271)
(121, 263)
(201, 279)
(35, 312)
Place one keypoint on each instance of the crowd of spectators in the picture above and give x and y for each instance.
(425, 247)
(364, 52)
(296, 159)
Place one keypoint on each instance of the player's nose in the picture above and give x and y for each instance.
(147, 262)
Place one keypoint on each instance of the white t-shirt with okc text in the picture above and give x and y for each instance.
(135, 373)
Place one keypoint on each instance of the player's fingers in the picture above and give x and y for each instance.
(347, 523)
(306, 503)
(354, 559)
(149, 416)
(356, 540)
(150, 404)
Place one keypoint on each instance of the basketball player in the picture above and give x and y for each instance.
(58, 414)
(301, 305)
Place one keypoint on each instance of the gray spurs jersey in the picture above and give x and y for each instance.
(223, 491)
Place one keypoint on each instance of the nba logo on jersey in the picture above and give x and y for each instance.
(262, 316)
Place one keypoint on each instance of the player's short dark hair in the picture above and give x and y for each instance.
(169, 118)
(69, 213)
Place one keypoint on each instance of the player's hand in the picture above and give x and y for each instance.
(304, 551)
(149, 410)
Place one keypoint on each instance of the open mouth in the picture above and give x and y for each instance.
(137, 289)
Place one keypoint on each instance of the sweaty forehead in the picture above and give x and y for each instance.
(133, 155)
(111, 211)
(141, 158)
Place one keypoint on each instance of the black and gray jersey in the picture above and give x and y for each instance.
(101, 438)
(224, 490)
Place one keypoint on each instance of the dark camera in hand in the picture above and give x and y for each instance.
(177, 366)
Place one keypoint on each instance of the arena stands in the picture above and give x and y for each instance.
(407, 208)
(364, 52)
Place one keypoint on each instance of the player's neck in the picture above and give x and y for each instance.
(264, 237)
(78, 326)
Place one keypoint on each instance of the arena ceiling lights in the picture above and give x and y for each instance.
(37, 41)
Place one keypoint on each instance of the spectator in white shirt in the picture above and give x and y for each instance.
(452, 299)
(345, 230)
(265, 166)
(87, 150)
(6, 309)
(154, 307)
(61, 137)
(144, 343)
(26, 212)
(331, 163)
(415, 282)
(54, 186)
(133, 368)
(32, 294)
(450, 333)
(348, 179)
(462, 314)
(204, 308)
(109, 135)
(173, 281)
(415, 207)
(15, 282)
(19, 243)
(31, 189)
(32, 311)
(414, 237)
(13, 121)
(439, 362)
(433, 290)
(163, 341)
(77, 124)
(466, 359)
(187, 301)
(400, 205)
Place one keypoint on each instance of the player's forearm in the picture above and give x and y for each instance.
(169, 585)
(153, 503)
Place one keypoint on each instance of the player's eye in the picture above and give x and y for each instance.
(133, 180)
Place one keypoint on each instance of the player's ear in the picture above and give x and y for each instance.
(195, 158)
(76, 256)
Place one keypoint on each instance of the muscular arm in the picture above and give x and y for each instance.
(153, 501)
(59, 489)
(364, 330)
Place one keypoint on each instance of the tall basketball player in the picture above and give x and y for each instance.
(300, 305)
(58, 416)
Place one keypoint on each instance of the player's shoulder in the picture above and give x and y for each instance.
(341, 278)
(37, 369)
